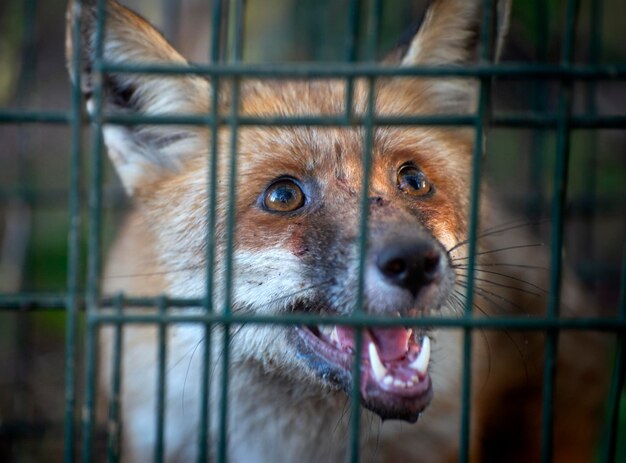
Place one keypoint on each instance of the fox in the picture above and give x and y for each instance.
(295, 250)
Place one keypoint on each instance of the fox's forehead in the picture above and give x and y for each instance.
(392, 96)
(338, 151)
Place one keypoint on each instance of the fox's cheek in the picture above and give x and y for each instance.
(297, 242)
(265, 279)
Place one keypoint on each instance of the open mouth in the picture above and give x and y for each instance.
(394, 381)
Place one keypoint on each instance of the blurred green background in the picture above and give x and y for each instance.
(34, 161)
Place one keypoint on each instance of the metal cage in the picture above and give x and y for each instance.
(84, 244)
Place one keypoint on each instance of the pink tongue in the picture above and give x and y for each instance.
(392, 343)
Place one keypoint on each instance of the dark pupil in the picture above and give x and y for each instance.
(283, 195)
(414, 179)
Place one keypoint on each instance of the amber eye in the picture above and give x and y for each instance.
(413, 181)
(283, 196)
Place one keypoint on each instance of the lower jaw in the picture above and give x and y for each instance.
(400, 403)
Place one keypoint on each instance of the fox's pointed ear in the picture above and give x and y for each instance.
(138, 152)
(449, 35)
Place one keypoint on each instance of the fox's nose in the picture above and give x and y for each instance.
(410, 264)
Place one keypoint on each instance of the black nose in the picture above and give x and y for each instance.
(410, 265)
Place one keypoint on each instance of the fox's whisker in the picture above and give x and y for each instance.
(485, 295)
(501, 264)
(503, 275)
(492, 251)
(499, 229)
(502, 285)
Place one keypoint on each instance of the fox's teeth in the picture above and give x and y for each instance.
(420, 364)
(330, 332)
(399, 383)
(377, 366)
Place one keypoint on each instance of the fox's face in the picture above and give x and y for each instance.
(298, 204)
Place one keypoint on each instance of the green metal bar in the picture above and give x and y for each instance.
(94, 258)
(363, 240)
(12, 116)
(161, 386)
(482, 120)
(558, 211)
(516, 120)
(354, 11)
(605, 324)
(114, 424)
(313, 70)
(73, 245)
(205, 391)
(619, 372)
(368, 135)
(587, 240)
(504, 119)
(373, 29)
(237, 51)
(24, 302)
(536, 171)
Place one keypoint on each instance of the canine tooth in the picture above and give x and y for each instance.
(334, 337)
(325, 329)
(409, 333)
(387, 380)
(420, 364)
(377, 366)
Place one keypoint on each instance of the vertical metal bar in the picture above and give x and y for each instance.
(73, 245)
(587, 239)
(487, 35)
(619, 372)
(368, 135)
(94, 257)
(237, 49)
(205, 390)
(159, 444)
(558, 210)
(373, 29)
(536, 175)
(21, 208)
(354, 13)
(114, 429)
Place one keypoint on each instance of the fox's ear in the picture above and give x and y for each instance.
(449, 35)
(138, 152)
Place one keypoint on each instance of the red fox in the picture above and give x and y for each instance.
(296, 250)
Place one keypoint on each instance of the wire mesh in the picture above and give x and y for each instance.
(228, 22)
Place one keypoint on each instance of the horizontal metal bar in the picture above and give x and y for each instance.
(499, 120)
(334, 70)
(32, 301)
(514, 120)
(364, 320)
(16, 116)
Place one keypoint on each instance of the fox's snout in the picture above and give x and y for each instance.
(410, 264)
(407, 269)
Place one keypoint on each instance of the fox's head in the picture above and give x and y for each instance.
(297, 206)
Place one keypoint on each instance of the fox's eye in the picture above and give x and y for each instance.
(413, 181)
(283, 196)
